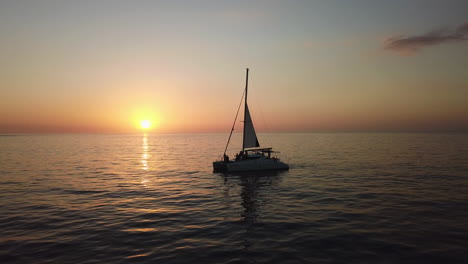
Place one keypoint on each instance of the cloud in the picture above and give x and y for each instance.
(410, 45)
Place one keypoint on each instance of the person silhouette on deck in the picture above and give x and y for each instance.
(241, 155)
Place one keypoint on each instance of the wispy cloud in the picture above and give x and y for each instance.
(410, 45)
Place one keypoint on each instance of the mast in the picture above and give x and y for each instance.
(245, 106)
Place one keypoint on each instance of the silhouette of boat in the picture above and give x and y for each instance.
(252, 157)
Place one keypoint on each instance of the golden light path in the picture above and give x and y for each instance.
(144, 160)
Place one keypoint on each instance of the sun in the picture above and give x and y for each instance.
(145, 124)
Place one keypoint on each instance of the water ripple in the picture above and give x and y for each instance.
(362, 198)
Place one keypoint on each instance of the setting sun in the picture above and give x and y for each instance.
(145, 124)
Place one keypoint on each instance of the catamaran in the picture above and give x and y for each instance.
(252, 157)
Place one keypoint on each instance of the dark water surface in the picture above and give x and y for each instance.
(348, 198)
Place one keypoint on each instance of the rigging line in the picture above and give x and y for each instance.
(232, 129)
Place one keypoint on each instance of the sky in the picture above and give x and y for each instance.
(315, 66)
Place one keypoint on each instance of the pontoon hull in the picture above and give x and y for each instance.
(260, 164)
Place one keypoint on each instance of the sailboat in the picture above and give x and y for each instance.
(252, 157)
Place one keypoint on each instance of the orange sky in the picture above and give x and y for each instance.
(334, 66)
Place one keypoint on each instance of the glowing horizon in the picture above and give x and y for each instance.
(100, 68)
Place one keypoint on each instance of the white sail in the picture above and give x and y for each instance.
(250, 138)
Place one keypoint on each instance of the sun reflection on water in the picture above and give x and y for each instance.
(145, 155)
(144, 159)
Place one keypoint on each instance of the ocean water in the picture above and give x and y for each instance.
(134, 198)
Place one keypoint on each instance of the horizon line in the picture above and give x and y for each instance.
(262, 132)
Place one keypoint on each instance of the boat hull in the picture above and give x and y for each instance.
(260, 164)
